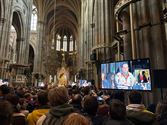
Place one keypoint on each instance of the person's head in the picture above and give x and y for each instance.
(58, 96)
(76, 119)
(14, 100)
(143, 72)
(4, 90)
(125, 68)
(28, 96)
(119, 95)
(86, 90)
(5, 113)
(43, 97)
(76, 99)
(90, 105)
(117, 110)
(135, 97)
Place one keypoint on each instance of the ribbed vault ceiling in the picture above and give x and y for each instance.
(60, 16)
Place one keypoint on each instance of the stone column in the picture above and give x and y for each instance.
(126, 39)
(156, 42)
(143, 28)
(40, 38)
(133, 37)
(2, 21)
(102, 26)
(18, 46)
(2, 33)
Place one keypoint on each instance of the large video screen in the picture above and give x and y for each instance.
(126, 75)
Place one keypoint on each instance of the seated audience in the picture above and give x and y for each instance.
(117, 114)
(136, 111)
(76, 119)
(41, 110)
(58, 98)
(5, 113)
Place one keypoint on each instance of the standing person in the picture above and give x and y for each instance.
(58, 99)
(125, 79)
(41, 110)
(136, 111)
(117, 114)
(76, 119)
(5, 113)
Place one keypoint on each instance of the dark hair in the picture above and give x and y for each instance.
(86, 90)
(119, 95)
(117, 110)
(43, 97)
(5, 113)
(135, 97)
(76, 99)
(14, 100)
(4, 89)
(90, 105)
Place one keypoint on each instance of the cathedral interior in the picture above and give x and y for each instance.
(62, 41)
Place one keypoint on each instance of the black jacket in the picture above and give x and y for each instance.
(57, 114)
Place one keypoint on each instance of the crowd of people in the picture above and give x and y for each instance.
(75, 105)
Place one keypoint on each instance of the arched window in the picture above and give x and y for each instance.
(71, 43)
(58, 43)
(34, 18)
(65, 43)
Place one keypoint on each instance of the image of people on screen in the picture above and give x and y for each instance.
(111, 79)
(143, 80)
(105, 82)
(125, 79)
(142, 77)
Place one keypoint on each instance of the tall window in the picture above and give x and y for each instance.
(58, 43)
(71, 43)
(34, 18)
(65, 43)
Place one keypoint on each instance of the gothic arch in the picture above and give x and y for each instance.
(19, 25)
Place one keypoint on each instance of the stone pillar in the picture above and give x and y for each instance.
(133, 37)
(126, 39)
(156, 43)
(23, 50)
(2, 33)
(18, 46)
(2, 21)
(143, 28)
(40, 38)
